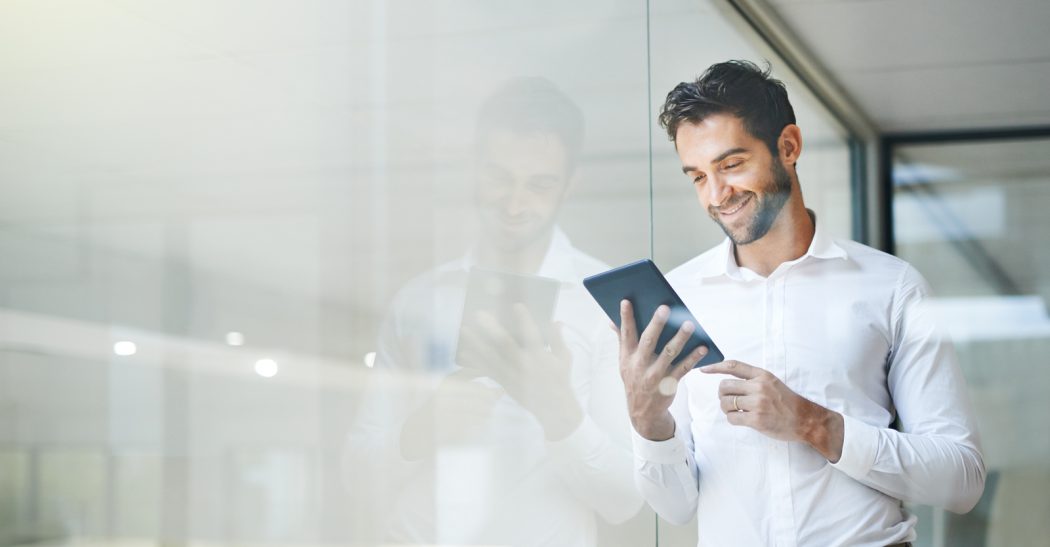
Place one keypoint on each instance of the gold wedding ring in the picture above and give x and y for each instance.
(736, 406)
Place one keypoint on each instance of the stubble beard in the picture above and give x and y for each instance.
(768, 207)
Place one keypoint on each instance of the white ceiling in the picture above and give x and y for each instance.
(916, 65)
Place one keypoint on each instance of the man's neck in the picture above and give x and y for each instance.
(788, 239)
(526, 259)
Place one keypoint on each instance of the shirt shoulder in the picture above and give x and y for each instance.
(691, 269)
(586, 265)
(427, 291)
(889, 269)
(870, 256)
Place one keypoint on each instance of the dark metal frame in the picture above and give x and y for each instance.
(891, 140)
(858, 182)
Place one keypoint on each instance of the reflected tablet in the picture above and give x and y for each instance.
(642, 283)
(497, 292)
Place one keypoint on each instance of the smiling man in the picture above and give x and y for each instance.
(790, 440)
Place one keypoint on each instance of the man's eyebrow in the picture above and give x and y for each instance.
(687, 168)
(728, 153)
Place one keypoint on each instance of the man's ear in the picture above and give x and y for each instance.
(789, 144)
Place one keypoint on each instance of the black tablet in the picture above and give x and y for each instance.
(642, 283)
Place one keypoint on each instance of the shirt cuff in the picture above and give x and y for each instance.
(671, 451)
(860, 444)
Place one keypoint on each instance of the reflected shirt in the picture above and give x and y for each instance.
(844, 326)
(508, 485)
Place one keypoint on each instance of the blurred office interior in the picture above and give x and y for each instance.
(228, 231)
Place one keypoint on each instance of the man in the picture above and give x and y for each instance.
(789, 441)
(489, 433)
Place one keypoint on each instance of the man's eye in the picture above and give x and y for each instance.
(733, 165)
(699, 179)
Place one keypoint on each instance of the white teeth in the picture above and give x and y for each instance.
(737, 208)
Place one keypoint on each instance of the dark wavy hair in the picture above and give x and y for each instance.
(739, 88)
(530, 105)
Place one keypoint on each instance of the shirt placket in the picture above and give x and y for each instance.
(775, 350)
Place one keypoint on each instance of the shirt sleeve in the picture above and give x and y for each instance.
(594, 461)
(665, 472)
(935, 457)
(372, 447)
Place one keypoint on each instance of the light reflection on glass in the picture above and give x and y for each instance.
(234, 338)
(267, 368)
(125, 348)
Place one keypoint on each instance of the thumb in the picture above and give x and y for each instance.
(557, 341)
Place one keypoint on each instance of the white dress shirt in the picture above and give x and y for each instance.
(845, 327)
(506, 485)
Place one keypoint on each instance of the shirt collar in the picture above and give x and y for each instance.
(559, 261)
(723, 260)
(823, 245)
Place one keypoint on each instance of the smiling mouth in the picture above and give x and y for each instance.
(515, 221)
(737, 208)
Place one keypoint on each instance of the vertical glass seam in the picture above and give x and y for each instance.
(649, 150)
(649, 123)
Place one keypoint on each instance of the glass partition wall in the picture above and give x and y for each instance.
(969, 212)
(259, 264)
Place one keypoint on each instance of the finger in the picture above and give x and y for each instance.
(651, 334)
(614, 328)
(687, 363)
(734, 368)
(737, 403)
(733, 386)
(527, 327)
(466, 351)
(483, 364)
(492, 330)
(490, 365)
(558, 345)
(474, 351)
(671, 350)
(741, 418)
(468, 360)
(628, 330)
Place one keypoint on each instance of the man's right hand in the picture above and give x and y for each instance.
(651, 380)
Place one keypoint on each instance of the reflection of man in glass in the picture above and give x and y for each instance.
(789, 441)
(528, 142)
(502, 423)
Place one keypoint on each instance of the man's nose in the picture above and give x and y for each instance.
(517, 200)
(717, 191)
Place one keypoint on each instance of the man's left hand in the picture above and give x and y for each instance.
(533, 373)
(759, 400)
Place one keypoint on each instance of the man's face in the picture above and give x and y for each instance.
(521, 182)
(740, 183)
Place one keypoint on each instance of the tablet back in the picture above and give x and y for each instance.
(642, 283)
